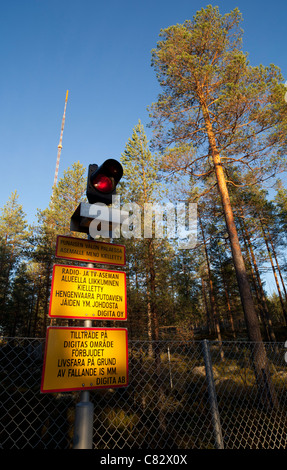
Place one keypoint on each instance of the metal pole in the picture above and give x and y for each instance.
(83, 428)
(84, 415)
(212, 396)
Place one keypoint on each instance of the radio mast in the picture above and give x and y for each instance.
(60, 142)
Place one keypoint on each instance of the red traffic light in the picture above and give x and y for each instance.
(102, 181)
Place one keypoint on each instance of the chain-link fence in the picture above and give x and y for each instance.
(184, 395)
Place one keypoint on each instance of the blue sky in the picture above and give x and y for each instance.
(101, 52)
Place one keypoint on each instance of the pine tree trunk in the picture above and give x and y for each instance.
(260, 309)
(208, 319)
(274, 272)
(214, 315)
(149, 323)
(155, 343)
(277, 264)
(262, 298)
(37, 307)
(229, 313)
(48, 273)
(260, 360)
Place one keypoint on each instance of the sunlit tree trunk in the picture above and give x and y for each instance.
(259, 354)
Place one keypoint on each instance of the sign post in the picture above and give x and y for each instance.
(83, 427)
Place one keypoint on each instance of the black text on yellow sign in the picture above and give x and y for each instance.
(84, 358)
(88, 293)
(91, 251)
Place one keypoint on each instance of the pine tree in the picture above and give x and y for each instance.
(53, 221)
(140, 185)
(14, 232)
(21, 303)
(229, 114)
(281, 204)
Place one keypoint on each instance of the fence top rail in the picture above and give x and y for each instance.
(180, 341)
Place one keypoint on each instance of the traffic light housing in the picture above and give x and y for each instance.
(102, 181)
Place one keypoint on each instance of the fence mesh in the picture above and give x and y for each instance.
(171, 400)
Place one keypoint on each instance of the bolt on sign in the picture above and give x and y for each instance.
(88, 293)
(90, 251)
(84, 358)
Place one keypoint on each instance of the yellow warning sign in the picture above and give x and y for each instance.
(88, 293)
(84, 358)
(90, 251)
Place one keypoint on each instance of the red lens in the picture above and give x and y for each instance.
(103, 183)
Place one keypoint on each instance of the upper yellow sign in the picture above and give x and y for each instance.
(88, 293)
(90, 251)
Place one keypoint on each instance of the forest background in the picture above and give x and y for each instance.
(213, 105)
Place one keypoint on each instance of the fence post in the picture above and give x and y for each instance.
(212, 396)
(170, 376)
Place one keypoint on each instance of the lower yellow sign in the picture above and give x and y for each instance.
(84, 358)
